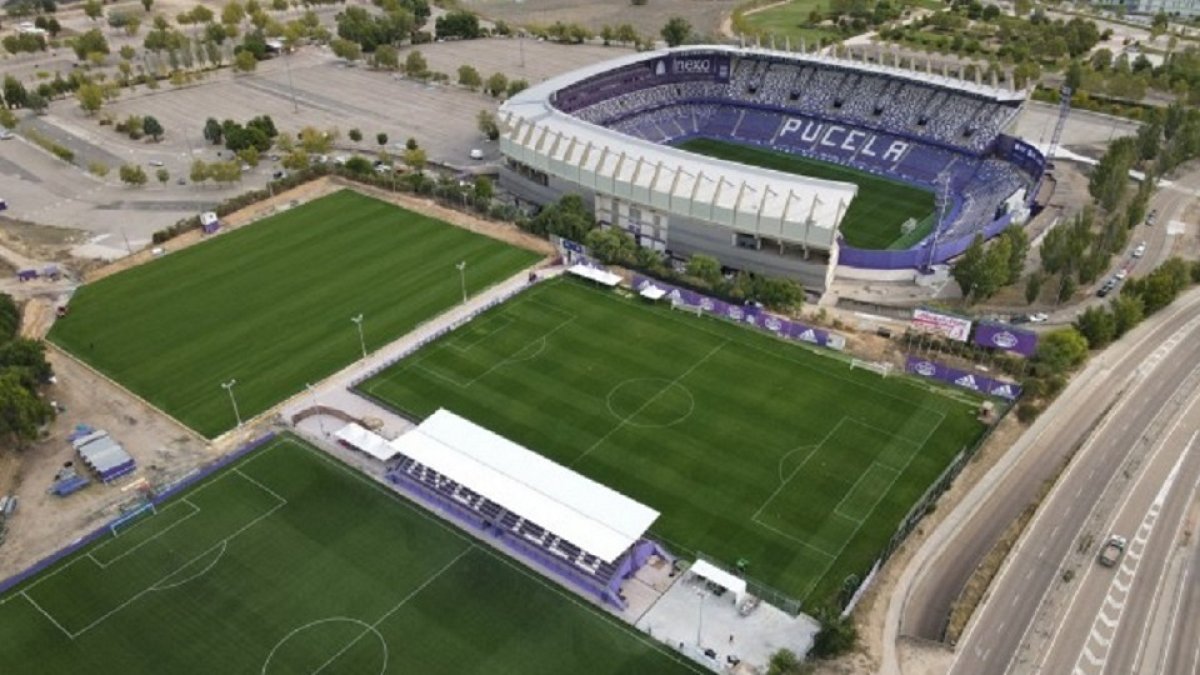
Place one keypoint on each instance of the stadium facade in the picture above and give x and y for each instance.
(608, 132)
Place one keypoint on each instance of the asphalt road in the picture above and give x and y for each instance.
(1110, 622)
(1067, 426)
(1129, 419)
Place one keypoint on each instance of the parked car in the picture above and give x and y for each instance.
(156, 163)
(476, 153)
(6, 135)
(1139, 250)
(1152, 218)
(1111, 552)
(1107, 288)
(1121, 274)
(1040, 317)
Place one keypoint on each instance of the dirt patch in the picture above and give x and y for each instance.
(916, 657)
(39, 242)
(36, 318)
(44, 523)
(704, 15)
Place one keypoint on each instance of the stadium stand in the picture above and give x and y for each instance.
(580, 531)
(935, 133)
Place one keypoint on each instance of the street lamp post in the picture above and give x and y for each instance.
(362, 342)
(700, 619)
(317, 408)
(228, 386)
(462, 278)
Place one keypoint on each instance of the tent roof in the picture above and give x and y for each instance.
(594, 274)
(599, 520)
(369, 442)
(720, 577)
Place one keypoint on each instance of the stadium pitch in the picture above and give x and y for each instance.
(270, 304)
(752, 448)
(288, 562)
(875, 216)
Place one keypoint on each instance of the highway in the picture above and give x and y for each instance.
(1146, 413)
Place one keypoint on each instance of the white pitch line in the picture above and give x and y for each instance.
(47, 615)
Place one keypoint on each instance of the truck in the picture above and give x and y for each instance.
(1111, 552)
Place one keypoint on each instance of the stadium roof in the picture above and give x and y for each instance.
(599, 520)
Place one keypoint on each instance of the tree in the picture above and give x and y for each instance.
(10, 317)
(411, 143)
(415, 158)
(469, 77)
(1033, 287)
(784, 662)
(249, 156)
(346, 49)
(415, 65)
(152, 127)
(245, 62)
(1066, 287)
(705, 268)
(147, 4)
(484, 190)
(162, 175)
(14, 92)
(213, 131)
(225, 172)
(381, 138)
(837, 635)
(517, 86)
(1128, 312)
(91, 42)
(676, 31)
(296, 160)
(133, 175)
(1098, 325)
(199, 171)
(355, 135)
(233, 13)
(1060, 351)
(981, 272)
(314, 141)
(36, 102)
(22, 412)
(486, 122)
(611, 245)
(7, 119)
(93, 9)
(626, 34)
(497, 84)
(387, 57)
(457, 24)
(90, 97)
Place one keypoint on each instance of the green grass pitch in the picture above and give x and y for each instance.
(750, 447)
(877, 212)
(270, 304)
(288, 562)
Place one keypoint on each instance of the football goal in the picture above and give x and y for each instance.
(132, 516)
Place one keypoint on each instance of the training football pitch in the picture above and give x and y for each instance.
(288, 562)
(874, 218)
(750, 447)
(270, 305)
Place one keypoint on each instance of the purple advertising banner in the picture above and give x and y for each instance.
(1006, 337)
(747, 314)
(961, 378)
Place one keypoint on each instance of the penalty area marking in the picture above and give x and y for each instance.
(220, 549)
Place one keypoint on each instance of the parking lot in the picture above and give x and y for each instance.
(312, 87)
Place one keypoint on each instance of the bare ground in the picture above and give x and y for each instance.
(164, 451)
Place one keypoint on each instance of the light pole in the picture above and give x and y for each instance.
(362, 342)
(462, 278)
(700, 619)
(228, 386)
(317, 407)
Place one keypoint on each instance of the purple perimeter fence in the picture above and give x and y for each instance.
(746, 314)
(961, 378)
(1006, 337)
(167, 493)
(915, 257)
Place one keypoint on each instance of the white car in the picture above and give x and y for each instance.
(476, 153)
(155, 162)
(1121, 274)
(1140, 250)
(6, 135)
(1040, 317)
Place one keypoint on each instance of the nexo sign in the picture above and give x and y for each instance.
(692, 66)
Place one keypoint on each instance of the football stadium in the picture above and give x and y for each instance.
(787, 164)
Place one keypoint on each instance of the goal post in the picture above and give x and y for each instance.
(131, 517)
